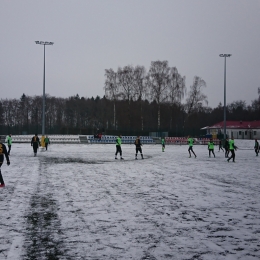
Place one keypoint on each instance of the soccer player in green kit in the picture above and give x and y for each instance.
(232, 149)
(118, 147)
(211, 147)
(190, 143)
(163, 144)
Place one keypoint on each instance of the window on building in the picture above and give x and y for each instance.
(254, 132)
(245, 132)
(239, 133)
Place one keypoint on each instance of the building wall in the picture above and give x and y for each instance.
(240, 133)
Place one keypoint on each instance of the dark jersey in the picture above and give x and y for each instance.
(138, 143)
(35, 141)
(3, 152)
(227, 144)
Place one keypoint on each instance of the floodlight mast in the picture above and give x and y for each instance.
(225, 123)
(43, 96)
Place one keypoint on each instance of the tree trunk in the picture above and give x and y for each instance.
(159, 117)
(114, 115)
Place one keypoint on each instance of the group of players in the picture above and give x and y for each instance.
(229, 147)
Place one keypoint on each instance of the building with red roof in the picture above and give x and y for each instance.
(236, 129)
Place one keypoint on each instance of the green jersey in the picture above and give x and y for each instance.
(9, 140)
(211, 145)
(163, 141)
(231, 144)
(190, 141)
(118, 141)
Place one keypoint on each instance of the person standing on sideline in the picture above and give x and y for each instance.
(220, 145)
(118, 147)
(190, 143)
(256, 147)
(232, 149)
(35, 143)
(3, 152)
(9, 143)
(211, 147)
(138, 147)
(163, 144)
(46, 142)
(226, 147)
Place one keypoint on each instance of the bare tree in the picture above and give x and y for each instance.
(177, 89)
(157, 81)
(111, 89)
(140, 89)
(196, 98)
(126, 86)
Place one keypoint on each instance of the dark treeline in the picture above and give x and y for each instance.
(135, 102)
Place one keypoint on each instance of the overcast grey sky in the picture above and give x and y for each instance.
(91, 36)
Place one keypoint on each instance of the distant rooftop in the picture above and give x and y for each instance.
(235, 125)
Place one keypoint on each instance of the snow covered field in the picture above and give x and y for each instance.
(77, 202)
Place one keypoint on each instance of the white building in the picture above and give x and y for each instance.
(236, 129)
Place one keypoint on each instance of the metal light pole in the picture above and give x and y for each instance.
(225, 128)
(43, 96)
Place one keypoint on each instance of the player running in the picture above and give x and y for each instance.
(226, 147)
(256, 147)
(190, 143)
(220, 145)
(3, 152)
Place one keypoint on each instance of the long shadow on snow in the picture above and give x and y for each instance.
(57, 160)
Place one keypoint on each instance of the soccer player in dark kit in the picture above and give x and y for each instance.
(3, 152)
(256, 147)
(138, 147)
(35, 143)
(226, 147)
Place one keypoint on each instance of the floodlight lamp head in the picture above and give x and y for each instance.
(44, 43)
(225, 55)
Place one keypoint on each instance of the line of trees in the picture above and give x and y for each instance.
(136, 101)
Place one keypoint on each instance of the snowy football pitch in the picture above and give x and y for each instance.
(77, 202)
